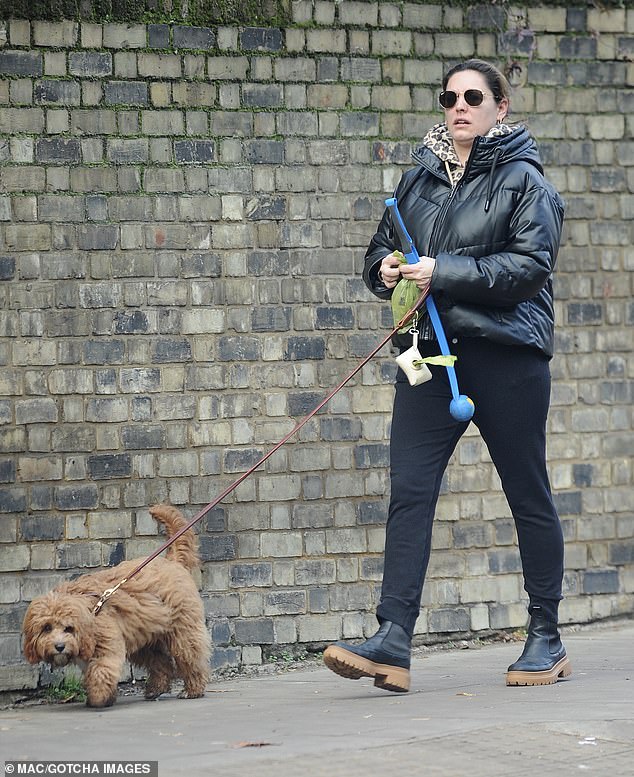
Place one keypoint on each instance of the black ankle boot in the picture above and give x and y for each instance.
(385, 656)
(543, 660)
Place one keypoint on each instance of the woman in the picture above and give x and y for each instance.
(489, 224)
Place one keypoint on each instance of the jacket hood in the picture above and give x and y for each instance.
(501, 145)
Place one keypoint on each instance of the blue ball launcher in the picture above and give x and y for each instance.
(461, 406)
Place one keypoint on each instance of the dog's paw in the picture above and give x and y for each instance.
(154, 691)
(191, 694)
(99, 701)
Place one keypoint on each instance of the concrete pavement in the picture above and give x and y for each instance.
(458, 719)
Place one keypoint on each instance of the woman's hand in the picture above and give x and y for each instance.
(389, 271)
(421, 272)
(393, 269)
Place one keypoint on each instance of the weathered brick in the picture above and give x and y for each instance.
(372, 513)
(42, 527)
(221, 548)
(281, 544)
(195, 95)
(597, 581)
(40, 468)
(21, 63)
(88, 64)
(194, 151)
(351, 596)
(57, 150)
(7, 268)
(126, 93)
(78, 497)
(376, 455)
(93, 179)
(397, 43)
(61, 208)
(301, 348)
(159, 65)
(578, 47)
(9, 529)
(61, 92)
(474, 535)
(224, 657)
(7, 471)
(262, 95)
(124, 36)
(256, 574)
(300, 404)
(78, 555)
(94, 122)
(162, 123)
(503, 561)
(158, 36)
(48, 33)
(14, 558)
(449, 620)
(167, 351)
(98, 237)
(285, 603)
(486, 17)
(266, 207)
(621, 552)
(106, 466)
(334, 318)
(315, 571)
(261, 39)
(371, 569)
(127, 151)
(42, 410)
(585, 313)
(193, 37)
(265, 152)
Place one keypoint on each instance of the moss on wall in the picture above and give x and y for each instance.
(198, 12)
(207, 12)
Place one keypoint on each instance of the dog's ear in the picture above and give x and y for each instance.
(87, 644)
(30, 630)
(87, 634)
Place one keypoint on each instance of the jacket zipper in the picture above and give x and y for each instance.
(426, 328)
(440, 221)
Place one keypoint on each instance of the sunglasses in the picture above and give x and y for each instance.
(472, 97)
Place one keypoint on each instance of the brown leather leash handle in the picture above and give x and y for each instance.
(201, 514)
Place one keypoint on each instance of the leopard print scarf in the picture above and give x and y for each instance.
(438, 141)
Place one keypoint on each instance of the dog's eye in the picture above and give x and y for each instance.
(69, 629)
(47, 627)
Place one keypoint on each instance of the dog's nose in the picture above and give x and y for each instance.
(60, 647)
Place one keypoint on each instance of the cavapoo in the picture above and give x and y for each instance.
(155, 620)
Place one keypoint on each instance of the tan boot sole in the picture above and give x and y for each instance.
(549, 677)
(350, 665)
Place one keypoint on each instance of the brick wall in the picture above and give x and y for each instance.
(183, 216)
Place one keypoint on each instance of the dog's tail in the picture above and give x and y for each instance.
(184, 550)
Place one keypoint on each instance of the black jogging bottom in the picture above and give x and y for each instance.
(510, 386)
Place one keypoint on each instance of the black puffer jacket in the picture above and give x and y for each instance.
(494, 235)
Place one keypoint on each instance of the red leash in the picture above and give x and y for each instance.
(201, 514)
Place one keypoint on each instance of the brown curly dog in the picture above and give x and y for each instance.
(155, 620)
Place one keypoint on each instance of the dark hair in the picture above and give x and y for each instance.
(495, 79)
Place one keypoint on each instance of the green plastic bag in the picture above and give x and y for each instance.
(404, 296)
